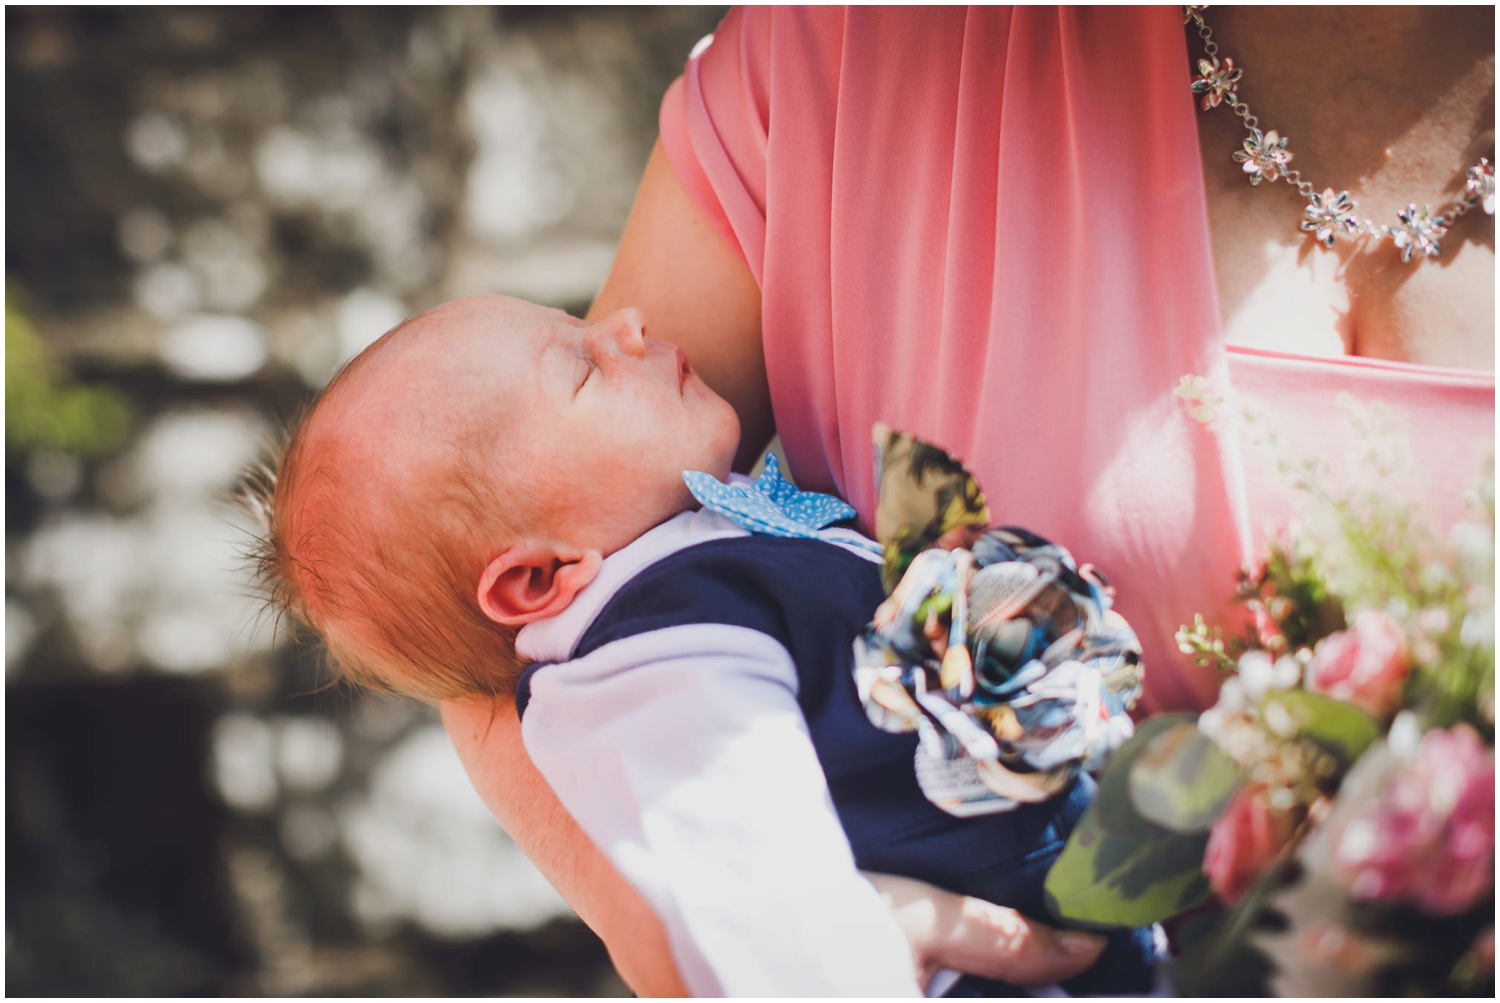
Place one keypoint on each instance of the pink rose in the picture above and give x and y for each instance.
(1430, 838)
(1364, 665)
(1242, 842)
(1268, 630)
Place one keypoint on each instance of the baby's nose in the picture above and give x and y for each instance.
(626, 327)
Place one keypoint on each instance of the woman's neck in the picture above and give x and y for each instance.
(1392, 104)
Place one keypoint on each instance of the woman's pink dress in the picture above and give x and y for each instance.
(987, 227)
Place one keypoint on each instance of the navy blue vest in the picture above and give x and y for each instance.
(815, 598)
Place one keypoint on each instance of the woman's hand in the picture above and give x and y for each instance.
(980, 938)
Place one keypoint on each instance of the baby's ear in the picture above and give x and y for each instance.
(533, 580)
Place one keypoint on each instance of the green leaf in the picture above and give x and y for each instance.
(1118, 868)
(1316, 611)
(1181, 780)
(1113, 805)
(1341, 728)
(1107, 879)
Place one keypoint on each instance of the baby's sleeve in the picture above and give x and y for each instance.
(683, 754)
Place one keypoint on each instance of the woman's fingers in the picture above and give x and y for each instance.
(999, 943)
(980, 938)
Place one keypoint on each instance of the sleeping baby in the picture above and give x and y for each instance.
(491, 500)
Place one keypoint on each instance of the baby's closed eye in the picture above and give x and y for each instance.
(589, 369)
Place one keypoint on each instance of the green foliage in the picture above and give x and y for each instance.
(1305, 608)
(1367, 547)
(1182, 781)
(1340, 728)
(1456, 687)
(1384, 557)
(1387, 562)
(1113, 803)
(1206, 645)
(1364, 550)
(1119, 869)
(1107, 879)
(1456, 681)
(43, 409)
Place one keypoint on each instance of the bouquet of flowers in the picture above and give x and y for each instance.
(1327, 827)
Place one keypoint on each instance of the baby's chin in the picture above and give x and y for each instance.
(724, 443)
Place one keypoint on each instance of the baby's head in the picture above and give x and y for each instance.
(467, 473)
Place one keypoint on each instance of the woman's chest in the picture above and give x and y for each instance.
(1395, 117)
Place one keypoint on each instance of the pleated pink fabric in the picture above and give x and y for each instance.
(987, 227)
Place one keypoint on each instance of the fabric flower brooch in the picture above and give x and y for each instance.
(992, 644)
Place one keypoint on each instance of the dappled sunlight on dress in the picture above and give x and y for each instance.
(1443, 422)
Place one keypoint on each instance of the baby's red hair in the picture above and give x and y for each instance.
(385, 569)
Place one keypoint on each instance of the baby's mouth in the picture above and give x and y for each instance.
(682, 369)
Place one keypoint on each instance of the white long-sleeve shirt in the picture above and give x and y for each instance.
(684, 755)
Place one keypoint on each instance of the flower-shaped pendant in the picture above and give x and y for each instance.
(1265, 156)
(1481, 185)
(1327, 214)
(1215, 81)
(1418, 232)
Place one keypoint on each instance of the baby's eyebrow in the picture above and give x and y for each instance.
(571, 351)
(567, 347)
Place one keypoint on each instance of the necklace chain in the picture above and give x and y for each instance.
(1328, 215)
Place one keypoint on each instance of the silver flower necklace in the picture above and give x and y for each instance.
(1330, 214)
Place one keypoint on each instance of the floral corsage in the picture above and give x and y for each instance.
(993, 644)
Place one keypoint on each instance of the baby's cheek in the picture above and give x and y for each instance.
(637, 505)
(641, 487)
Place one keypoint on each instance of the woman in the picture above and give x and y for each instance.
(1006, 232)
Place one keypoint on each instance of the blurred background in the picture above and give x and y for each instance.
(207, 211)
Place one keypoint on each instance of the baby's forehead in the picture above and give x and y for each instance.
(482, 332)
(372, 409)
(494, 314)
(444, 367)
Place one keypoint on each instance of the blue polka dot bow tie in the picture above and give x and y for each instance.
(771, 505)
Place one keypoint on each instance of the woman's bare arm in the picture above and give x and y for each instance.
(695, 293)
(487, 736)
